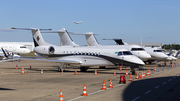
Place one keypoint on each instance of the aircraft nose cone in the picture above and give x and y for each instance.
(26, 51)
(145, 57)
(135, 60)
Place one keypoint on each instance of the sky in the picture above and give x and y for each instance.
(155, 21)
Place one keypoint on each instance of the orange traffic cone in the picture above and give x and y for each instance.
(95, 72)
(172, 65)
(110, 84)
(140, 75)
(104, 85)
(75, 73)
(84, 91)
(155, 68)
(16, 66)
(120, 68)
(61, 96)
(130, 78)
(114, 73)
(126, 72)
(137, 77)
(147, 72)
(22, 70)
(144, 75)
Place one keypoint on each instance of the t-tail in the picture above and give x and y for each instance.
(90, 38)
(65, 38)
(37, 37)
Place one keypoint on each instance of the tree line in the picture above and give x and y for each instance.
(171, 46)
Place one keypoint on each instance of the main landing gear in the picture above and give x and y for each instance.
(84, 69)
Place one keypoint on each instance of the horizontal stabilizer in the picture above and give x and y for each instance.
(87, 33)
(118, 41)
(29, 28)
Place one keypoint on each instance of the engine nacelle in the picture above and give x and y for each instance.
(44, 49)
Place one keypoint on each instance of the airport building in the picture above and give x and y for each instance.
(145, 44)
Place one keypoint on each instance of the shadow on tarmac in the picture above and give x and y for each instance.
(154, 89)
(6, 89)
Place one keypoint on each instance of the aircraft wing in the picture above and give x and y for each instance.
(8, 60)
(51, 60)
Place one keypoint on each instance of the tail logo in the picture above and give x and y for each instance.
(38, 38)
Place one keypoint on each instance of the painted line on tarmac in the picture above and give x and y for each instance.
(148, 92)
(93, 93)
(136, 98)
(157, 87)
(76, 98)
(164, 83)
(170, 79)
(120, 85)
(96, 92)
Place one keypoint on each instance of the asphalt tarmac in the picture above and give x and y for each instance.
(36, 86)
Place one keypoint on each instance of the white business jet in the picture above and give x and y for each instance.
(156, 54)
(14, 48)
(92, 42)
(81, 56)
(7, 56)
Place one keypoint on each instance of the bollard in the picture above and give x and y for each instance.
(41, 71)
(30, 66)
(158, 69)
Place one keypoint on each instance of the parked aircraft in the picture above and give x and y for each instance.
(156, 54)
(7, 56)
(15, 48)
(81, 56)
(92, 41)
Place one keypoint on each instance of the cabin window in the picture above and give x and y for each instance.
(95, 53)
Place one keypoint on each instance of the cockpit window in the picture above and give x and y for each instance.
(120, 53)
(125, 53)
(23, 47)
(137, 49)
(157, 50)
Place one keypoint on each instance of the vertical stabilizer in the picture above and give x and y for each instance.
(91, 39)
(37, 38)
(66, 40)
